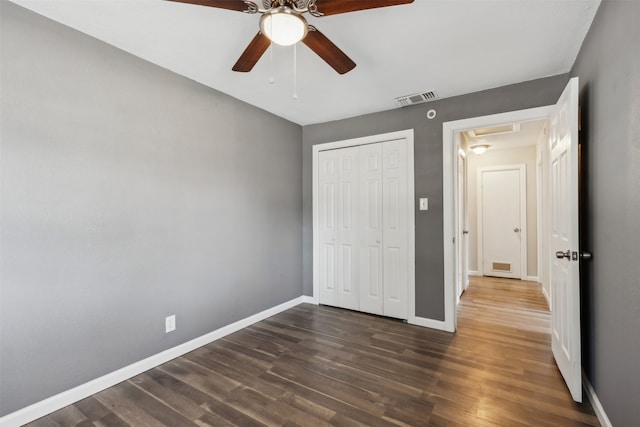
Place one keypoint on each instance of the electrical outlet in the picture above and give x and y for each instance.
(170, 323)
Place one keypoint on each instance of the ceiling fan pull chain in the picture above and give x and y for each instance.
(295, 71)
(272, 78)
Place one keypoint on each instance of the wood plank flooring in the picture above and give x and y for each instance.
(322, 366)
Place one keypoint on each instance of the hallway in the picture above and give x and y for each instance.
(507, 324)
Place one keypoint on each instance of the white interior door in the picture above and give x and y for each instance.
(371, 295)
(565, 266)
(348, 225)
(501, 221)
(395, 228)
(338, 227)
(327, 225)
(363, 224)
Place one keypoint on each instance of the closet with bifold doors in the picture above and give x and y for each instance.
(362, 227)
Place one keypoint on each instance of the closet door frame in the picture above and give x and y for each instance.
(373, 139)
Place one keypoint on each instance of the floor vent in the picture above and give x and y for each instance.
(418, 98)
(501, 266)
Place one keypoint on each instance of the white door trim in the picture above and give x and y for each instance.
(462, 265)
(540, 206)
(373, 139)
(449, 191)
(522, 168)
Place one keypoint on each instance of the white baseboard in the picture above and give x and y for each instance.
(473, 273)
(68, 397)
(547, 297)
(531, 278)
(595, 402)
(310, 300)
(430, 323)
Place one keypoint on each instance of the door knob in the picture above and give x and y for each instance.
(561, 255)
(585, 255)
(517, 230)
(465, 231)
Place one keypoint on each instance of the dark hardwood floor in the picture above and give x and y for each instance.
(317, 366)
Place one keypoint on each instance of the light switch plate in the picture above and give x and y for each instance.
(424, 204)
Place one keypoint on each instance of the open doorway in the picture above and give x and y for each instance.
(455, 144)
(499, 201)
(561, 254)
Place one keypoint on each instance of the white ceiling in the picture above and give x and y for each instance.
(450, 46)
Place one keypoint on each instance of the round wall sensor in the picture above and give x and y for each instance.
(431, 114)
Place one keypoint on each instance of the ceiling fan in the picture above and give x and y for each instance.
(282, 23)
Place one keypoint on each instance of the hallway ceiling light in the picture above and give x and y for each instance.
(480, 148)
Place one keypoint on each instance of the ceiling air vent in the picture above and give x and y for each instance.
(418, 98)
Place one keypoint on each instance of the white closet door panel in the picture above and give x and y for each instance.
(328, 226)
(362, 232)
(395, 228)
(348, 223)
(371, 277)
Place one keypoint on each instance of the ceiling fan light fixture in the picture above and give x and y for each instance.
(283, 26)
(480, 148)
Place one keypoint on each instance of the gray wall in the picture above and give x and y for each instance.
(609, 70)
(428, 169)
(129, 193)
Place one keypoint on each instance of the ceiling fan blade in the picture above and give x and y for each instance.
(252, 53)
(238, 5)
(325, 49)
(333, 7)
